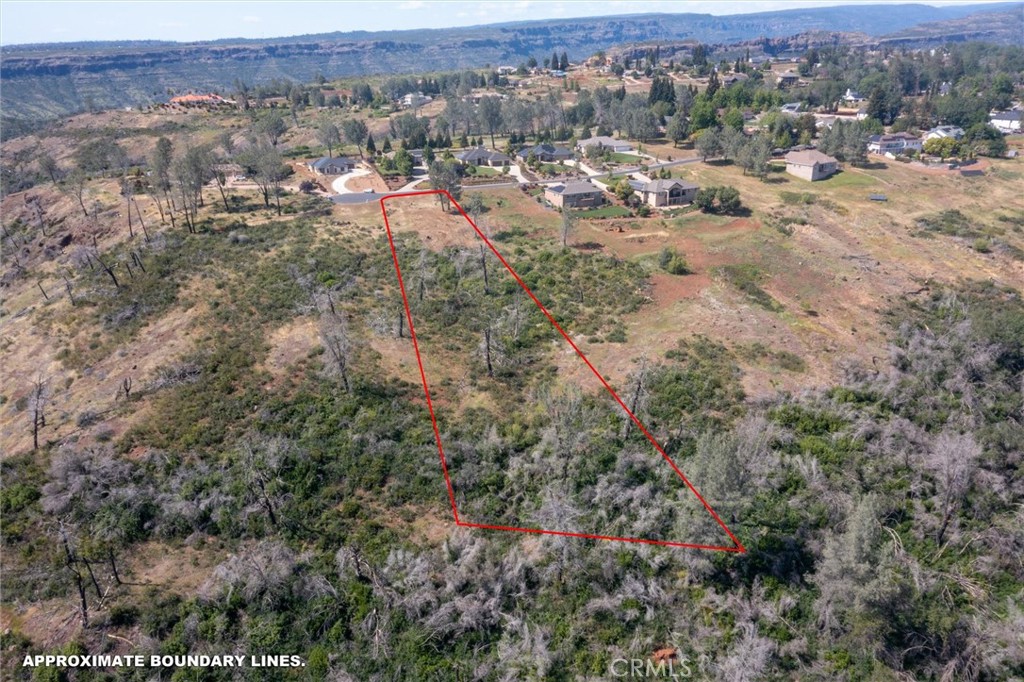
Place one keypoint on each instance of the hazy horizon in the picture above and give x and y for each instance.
(27, 23)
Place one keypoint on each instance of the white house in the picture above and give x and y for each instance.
(940, 132)
(1006, 121)
(605, 142)
(414, 100)
(894, 143)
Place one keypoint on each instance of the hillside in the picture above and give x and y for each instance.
(661, 403)
(50, 80)
(1005, 28)
(237, 451)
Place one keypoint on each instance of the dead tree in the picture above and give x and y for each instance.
(260, 464)
(638, 390)
(67, 286)
(221, 183)
(483, 266)
(142, 223)
(71, 564)
(109, 269)
(126, 192)
(335, 337)
(487, 351)
(75, 186)
(38, 402)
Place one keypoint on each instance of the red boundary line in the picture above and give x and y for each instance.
(738, 546)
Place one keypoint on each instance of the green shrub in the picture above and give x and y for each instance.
(672, 262)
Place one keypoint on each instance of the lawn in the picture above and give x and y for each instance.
(483, 171)
(622, 157)
(612, 211)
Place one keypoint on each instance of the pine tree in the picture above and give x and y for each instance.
(371, 146)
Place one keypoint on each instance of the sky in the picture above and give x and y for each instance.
(46, 21)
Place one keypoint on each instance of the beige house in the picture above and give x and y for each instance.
(668, 192)
(574, 195)
(811, 165)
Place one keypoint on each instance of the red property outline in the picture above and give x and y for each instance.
(738, 546)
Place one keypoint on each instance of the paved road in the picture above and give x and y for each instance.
(360, 198)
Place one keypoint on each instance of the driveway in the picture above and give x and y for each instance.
(339, 182)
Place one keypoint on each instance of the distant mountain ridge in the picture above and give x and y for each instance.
(55, 79)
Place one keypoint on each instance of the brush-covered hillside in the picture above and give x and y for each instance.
(215, 438)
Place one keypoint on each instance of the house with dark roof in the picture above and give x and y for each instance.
(578, 194)
(671, 192)
(332, 166)
(810, 164)
(546, 153)
(788, 78)
(734, 78)
(482, 157)
(1006, 121)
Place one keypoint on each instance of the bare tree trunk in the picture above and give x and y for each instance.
(170, 208)
(70, 561)
(483, 264)
(92, 577)
(83, 603)
(223, 196)
(267, 503)
(108, 269)
(160, 207)
(40, 398)
(40, 285)
(82, 204)
(141, 222)
(634, 401)
(71, 295)
(138, 260)
(113, 565)
(487, 351)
